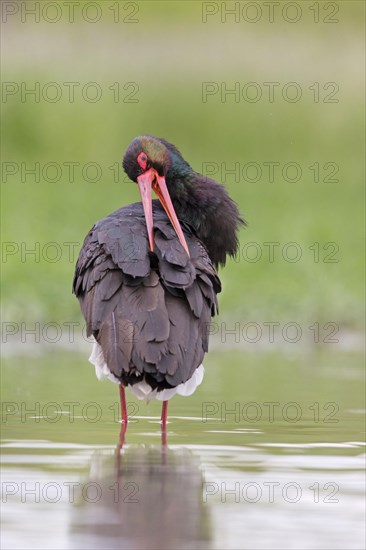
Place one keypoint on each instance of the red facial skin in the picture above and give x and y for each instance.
(142, 160)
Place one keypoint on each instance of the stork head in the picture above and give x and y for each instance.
(147, 162)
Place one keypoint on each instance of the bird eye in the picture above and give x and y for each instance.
(142, 160)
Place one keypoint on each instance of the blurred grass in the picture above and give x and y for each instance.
(170, 106)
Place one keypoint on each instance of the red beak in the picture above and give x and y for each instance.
(151, 180)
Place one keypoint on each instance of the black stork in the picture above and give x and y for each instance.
(146, 275)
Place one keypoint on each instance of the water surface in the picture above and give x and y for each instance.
(267, 454)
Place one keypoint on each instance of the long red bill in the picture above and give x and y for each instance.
(145, 184)
(146, 181)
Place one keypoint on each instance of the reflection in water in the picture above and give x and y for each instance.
(265, 495)
(314, 467)
(145, 497)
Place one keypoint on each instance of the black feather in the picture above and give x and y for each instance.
(150, 312)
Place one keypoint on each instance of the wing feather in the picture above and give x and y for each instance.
(150, 312)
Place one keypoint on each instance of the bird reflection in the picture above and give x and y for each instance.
(146, 497)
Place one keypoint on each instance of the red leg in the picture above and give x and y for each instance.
(123, 430)
(164, 416)
(123, 404)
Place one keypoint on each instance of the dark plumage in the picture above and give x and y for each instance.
(150, 310)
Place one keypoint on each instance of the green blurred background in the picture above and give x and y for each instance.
(167, 52)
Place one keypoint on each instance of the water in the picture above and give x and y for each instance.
(268, 454)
